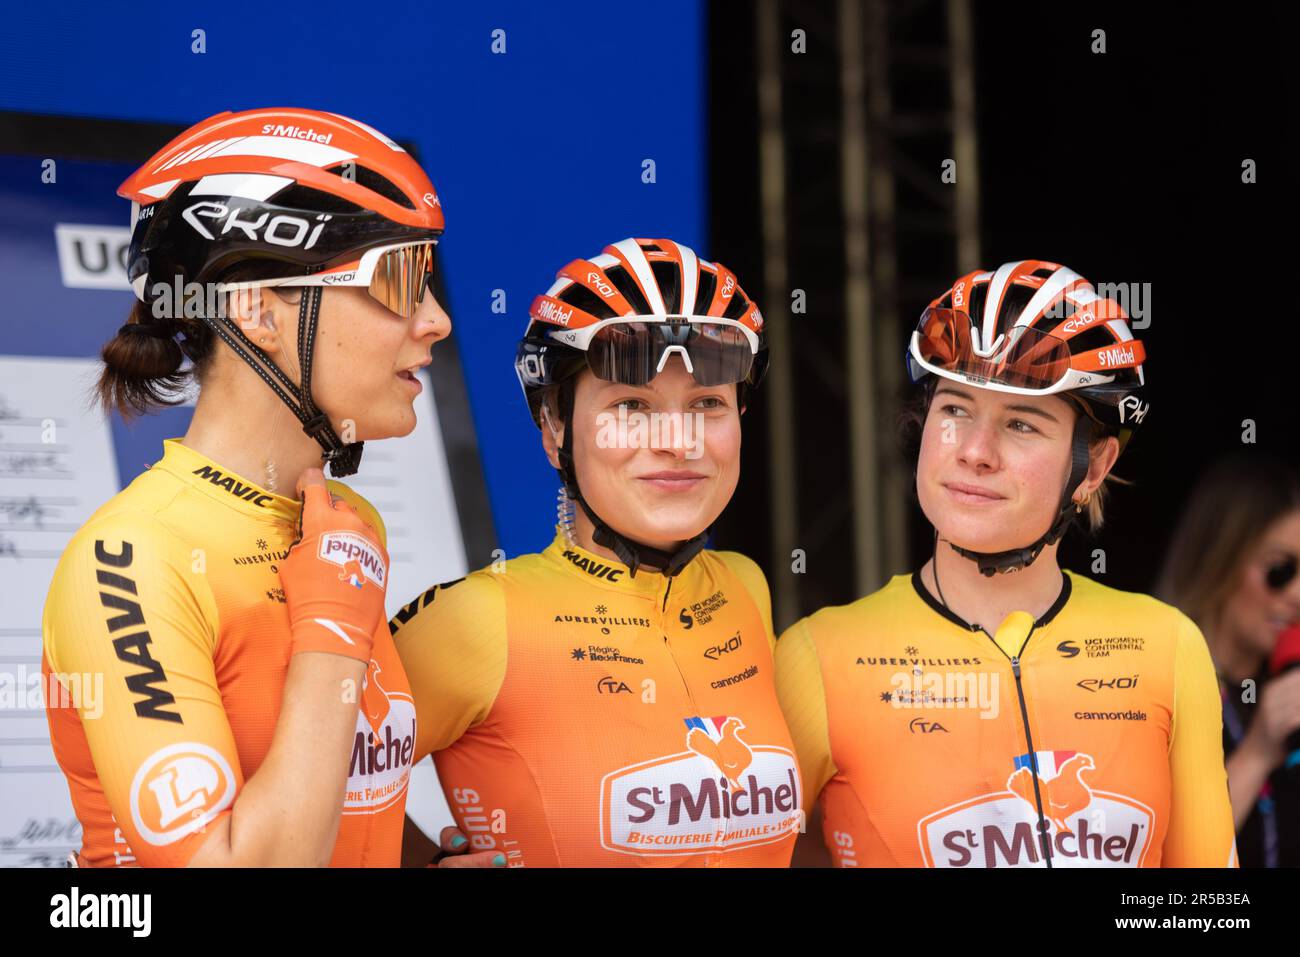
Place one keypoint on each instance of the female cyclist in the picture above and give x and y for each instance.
(1234, 567)
(290, 246)
(990, 709)
(610, 701)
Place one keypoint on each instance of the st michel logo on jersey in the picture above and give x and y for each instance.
(383, 746)
(721, 793)
(1087, 827)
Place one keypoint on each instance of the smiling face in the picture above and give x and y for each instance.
(658, 462)
(365, 359)
(1256, 612)
(992, 465)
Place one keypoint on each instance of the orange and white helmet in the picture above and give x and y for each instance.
(625, 312)
(1035, 328)
(312, 198)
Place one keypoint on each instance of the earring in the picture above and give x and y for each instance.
(1082, 503)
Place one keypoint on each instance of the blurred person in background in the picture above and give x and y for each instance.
(1232, 567)
(993, 709)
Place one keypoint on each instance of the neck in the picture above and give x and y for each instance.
(987, 601)
(243, 426)
(584, 531)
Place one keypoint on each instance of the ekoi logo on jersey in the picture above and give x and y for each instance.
(382, 746)
(178, 790)
(358, 559)
(1087, 827)
(721, 793)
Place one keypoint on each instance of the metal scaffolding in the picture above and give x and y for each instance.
(903, 79)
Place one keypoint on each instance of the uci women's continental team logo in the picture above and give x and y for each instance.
(1087, 827)
(721, 793)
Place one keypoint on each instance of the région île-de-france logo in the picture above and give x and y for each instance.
(722, 793)
(1087, 827)
(358, 559)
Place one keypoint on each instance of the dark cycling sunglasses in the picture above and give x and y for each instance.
(1282, 572)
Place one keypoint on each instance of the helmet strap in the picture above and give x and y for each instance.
(631, 553)
(343, 459)
(1013, 560)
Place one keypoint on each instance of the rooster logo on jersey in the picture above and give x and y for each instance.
(717, 740)
(1064, 794)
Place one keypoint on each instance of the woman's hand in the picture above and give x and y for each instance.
(456, 852)
(335, 577)
(1279, 716)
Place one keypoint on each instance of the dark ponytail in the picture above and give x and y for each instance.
(144, 364)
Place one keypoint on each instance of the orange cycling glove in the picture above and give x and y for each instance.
(335, 577)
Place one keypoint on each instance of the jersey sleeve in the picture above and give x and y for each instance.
(452, 642)
(1200, 813)
(129, 603)
(755, 582)
(802, 694)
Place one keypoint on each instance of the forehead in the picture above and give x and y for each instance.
(993, 401)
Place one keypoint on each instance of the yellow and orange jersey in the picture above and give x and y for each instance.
(582, 717)
(170, 591)
(932, 743)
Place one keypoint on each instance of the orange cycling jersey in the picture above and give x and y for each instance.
(582, 717)
(933, 743)
(171, 592)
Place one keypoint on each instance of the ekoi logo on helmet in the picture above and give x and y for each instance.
(358, 559)
(178, 790)
(281, 230)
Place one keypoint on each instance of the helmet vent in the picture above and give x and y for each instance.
(586, 300)
(669, 278)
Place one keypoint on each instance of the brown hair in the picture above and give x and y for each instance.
(1228, 512)
(911, 424)
(146, 371)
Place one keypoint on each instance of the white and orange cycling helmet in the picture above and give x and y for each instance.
(1036, 328)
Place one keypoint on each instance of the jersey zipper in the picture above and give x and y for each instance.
(713, 856)
(663, 632)
(1029, 741)
(1033, 759)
